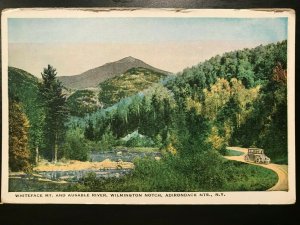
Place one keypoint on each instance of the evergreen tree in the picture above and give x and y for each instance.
(55, 112)
(89, 132)
(19, 153)
(108, 140)
(24, 88)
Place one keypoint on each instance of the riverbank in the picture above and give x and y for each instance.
(75, 165)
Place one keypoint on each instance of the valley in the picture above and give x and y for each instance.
(128, 126)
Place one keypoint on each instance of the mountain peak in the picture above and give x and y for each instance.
(128, 59)
(93, 77)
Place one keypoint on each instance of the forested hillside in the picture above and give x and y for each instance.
(255, 118)
(214, 102)
(129, 83)
(93, 77)
(239, 98)
(23, 96)
(84, 101)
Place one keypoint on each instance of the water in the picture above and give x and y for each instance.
(77, 175)
(124, 155)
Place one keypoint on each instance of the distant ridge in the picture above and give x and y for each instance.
(93, 77)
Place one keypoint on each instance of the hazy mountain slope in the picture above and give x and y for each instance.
(93, 77)
(23, 88)
(129, 83)
(83, 101)
(22, 85)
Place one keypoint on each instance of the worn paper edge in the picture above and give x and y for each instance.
(263, 197)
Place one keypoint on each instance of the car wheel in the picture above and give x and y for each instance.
(257, 160)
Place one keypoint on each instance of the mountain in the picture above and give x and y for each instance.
(23, 89)
(93, 77)
(22, 85)
(127, 84)
(82, 102)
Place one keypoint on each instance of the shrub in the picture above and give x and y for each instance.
(76, 145)
(107, 141)
(140, 141)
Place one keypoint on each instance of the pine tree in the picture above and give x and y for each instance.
(24, 88)
(19, 153)
(89, 132)
(55, 111)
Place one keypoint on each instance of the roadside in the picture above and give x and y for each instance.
(281, 170)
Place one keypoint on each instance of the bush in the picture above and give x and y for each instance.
(140, 141)
(205, 171)
(108, 140)
(76, 145)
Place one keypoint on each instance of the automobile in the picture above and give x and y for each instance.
(257, 155)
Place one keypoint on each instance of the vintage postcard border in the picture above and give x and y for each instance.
(278, 197)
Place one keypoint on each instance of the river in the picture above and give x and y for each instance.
(115, 156)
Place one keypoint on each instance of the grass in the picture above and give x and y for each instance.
(204, 172)
(229, 152)
(246, 177)
(162, 177)
(278, 159)
(35, 185)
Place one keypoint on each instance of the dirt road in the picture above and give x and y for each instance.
(281, 170)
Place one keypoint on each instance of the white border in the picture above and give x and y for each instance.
(265, 197)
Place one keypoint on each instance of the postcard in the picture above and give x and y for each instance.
(148, 106)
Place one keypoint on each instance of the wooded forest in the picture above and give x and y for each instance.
(235, 99)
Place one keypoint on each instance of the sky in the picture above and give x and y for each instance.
(76, 45)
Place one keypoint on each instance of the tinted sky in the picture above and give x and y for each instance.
(183, 36)
(144, 30)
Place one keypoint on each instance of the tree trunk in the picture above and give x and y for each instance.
(55, 149)
(37, 155)
(55, 153)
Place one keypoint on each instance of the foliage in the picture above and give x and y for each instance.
(54, 103)
(32, 184)
(137, 112)
(266, 126)
(186, 174)
(140, 142)
(131, 82)
(171, 174)
(229, 152)
(76, 146)
(137, 140)
(107, 141)
(229, 99)
(18, 138)
(89, 131)
(238, 98)
(82, 102)
(24, 88)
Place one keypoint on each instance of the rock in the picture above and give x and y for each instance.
(119, 153)
(119, 167)
(106, 160)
